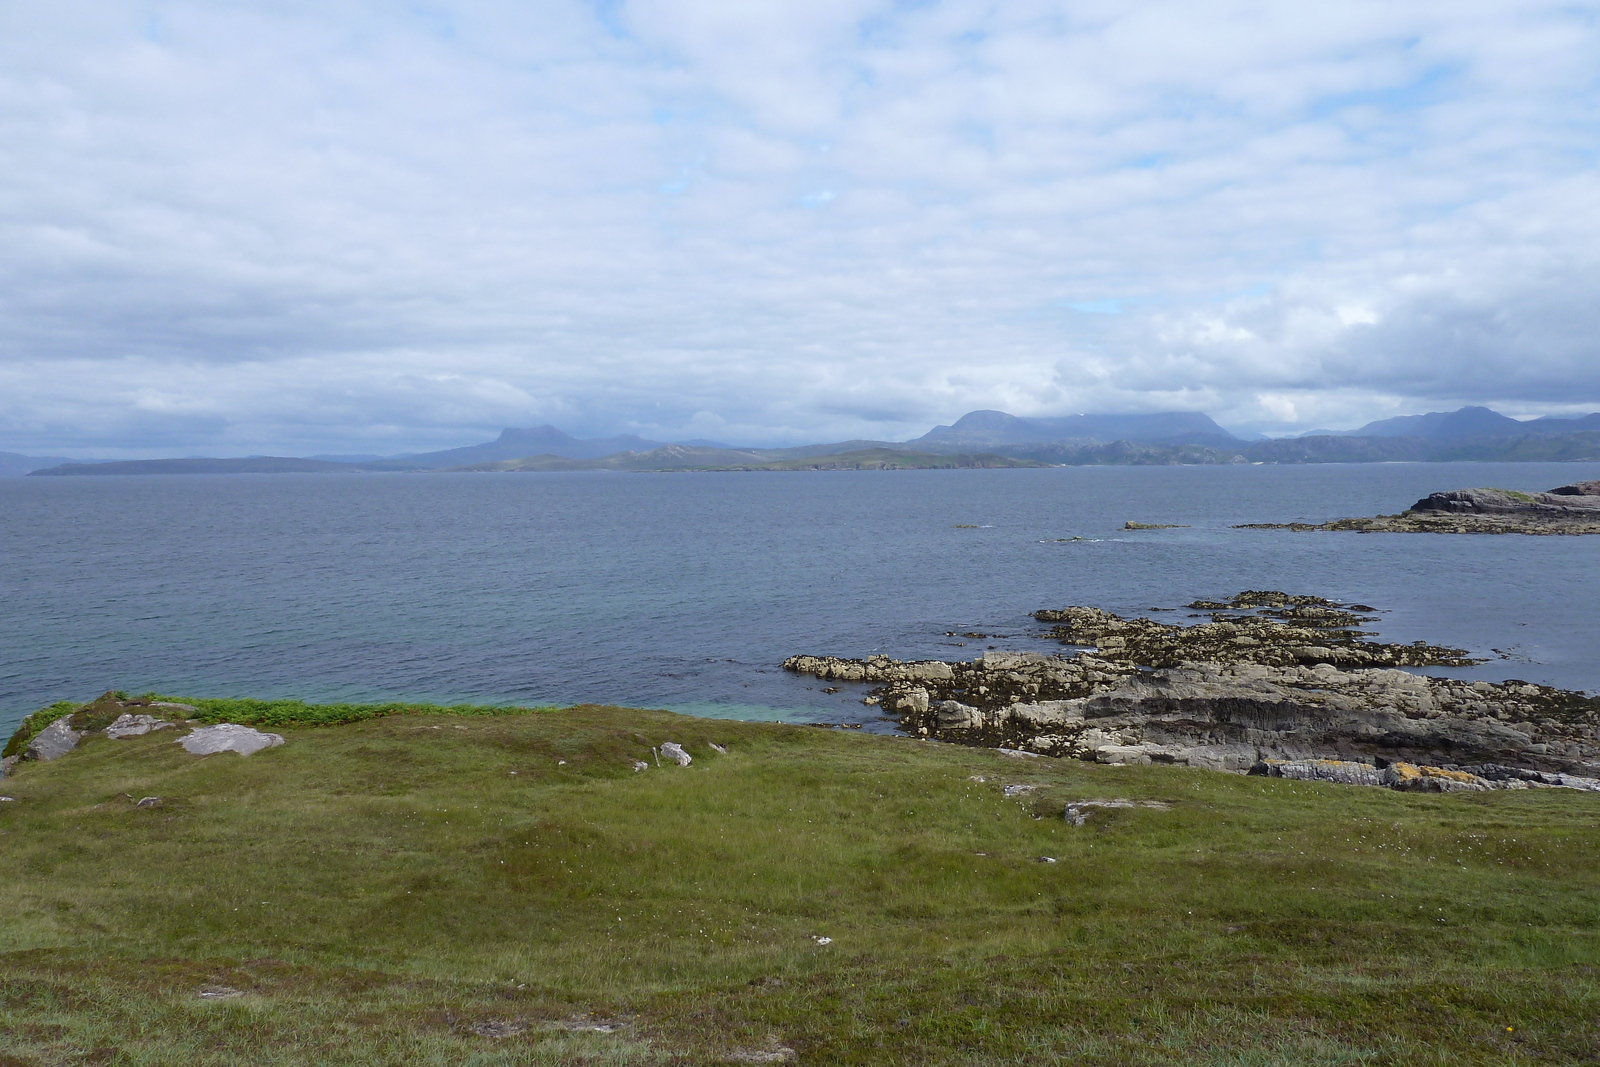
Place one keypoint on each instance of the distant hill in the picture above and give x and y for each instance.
(987, 428)
(249, 465)
(682, 458)
(1465, 424)
(516, 444)
(977, 439)
(14, 465)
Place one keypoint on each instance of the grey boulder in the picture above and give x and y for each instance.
(54, 740)
(228, 737)
(674, 751)
(135, 726)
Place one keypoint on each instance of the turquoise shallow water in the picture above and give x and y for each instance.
(686, 591)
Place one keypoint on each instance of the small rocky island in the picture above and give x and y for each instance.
(1566, 509)
(1274, 684)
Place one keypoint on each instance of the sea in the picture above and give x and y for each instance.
(686, 591)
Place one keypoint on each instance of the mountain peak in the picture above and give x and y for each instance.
(987, 427)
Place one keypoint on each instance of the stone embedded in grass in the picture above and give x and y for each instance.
(674, 751)
(218, 992)
(640, 765)
(1019, 790)
(1077, 812)
(718, 748)
(228, 737)
(499, 1028)
(777, 1055)
(588, 1024)
(128, 725)
(54, 741)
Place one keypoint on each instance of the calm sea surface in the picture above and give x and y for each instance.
(686, 591)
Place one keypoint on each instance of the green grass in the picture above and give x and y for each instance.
(378, 888)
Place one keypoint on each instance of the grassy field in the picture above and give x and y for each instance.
(421, 889)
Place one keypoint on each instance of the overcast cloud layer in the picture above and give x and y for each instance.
(339, 226)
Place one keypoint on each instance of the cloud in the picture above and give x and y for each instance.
(348, 227)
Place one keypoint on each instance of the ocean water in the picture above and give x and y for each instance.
(686, 591)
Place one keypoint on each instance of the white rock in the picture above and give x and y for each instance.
(1048, 712)
(954, 715)
(674, 751)
(134, 726)
(228, 737)
(54, 740)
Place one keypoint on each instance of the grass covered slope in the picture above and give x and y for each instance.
(399, 889)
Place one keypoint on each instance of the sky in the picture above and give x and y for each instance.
(294, 227)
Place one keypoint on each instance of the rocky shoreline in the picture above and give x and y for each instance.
(1272, 684)
(1567, 509)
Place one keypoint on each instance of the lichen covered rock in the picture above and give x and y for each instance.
(228, 737)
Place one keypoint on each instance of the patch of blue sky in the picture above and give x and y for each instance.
(608, 13)
(818, 198)
(1434, 86)
(1149, 162)
(884, 29)
(437, 22)
(976, 133)
(1094, 307)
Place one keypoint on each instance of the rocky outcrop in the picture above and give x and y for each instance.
(1304, 689)
(53, 732)
(54, 741)
(1257, 626)
(228, 737)
(1566, 509)
(127, 725)
(1508, 502)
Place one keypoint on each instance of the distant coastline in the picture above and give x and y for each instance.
(979, 439)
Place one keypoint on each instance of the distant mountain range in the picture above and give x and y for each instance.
(1463, 424)
(979, 438)
(13, 465)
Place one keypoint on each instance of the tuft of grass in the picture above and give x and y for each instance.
(390, 889)
(248, 712)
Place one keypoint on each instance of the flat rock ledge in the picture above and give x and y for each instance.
(1565, 510)
(228, 737)
(1304, 710)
